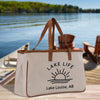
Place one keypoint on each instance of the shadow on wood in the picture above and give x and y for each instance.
(93, 51)
(89, 64)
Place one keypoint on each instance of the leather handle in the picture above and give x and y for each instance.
(57, 25)
(53, 35)
(42, 34)
(50, 40)
(51, 25)
(69, 54)
(45, 29)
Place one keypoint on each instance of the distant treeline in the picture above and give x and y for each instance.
(36, 7)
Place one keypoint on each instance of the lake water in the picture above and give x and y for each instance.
(16, 30)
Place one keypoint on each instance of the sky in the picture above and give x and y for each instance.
(80, 3)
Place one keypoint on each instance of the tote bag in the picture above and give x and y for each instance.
(41, 72)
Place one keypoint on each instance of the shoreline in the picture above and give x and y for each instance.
(45, 13)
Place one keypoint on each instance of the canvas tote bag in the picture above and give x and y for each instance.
(41, 72)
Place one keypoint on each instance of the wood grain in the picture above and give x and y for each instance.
(92, 93)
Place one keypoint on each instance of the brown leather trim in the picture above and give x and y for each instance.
(69, 54)
(57, 25)
(59, 50)
(50, 55)
(43, 33)
(50, 40)
(46, 93)
(50, 24)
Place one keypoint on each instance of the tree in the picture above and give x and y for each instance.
(64, 9)
(36, 7)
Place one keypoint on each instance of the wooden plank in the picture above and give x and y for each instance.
(8, 78)
(92, 71)
(92, 93)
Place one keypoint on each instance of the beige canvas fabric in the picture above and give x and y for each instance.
(36, 75)
(51, 71)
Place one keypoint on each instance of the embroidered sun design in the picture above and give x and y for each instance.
(60, 76)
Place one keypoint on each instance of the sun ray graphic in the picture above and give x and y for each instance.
(60, 76)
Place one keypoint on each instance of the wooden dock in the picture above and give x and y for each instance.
(92, 93)
(92, 71)
(92, 88)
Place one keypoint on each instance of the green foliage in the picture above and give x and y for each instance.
(36, 7)
(91, 11)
